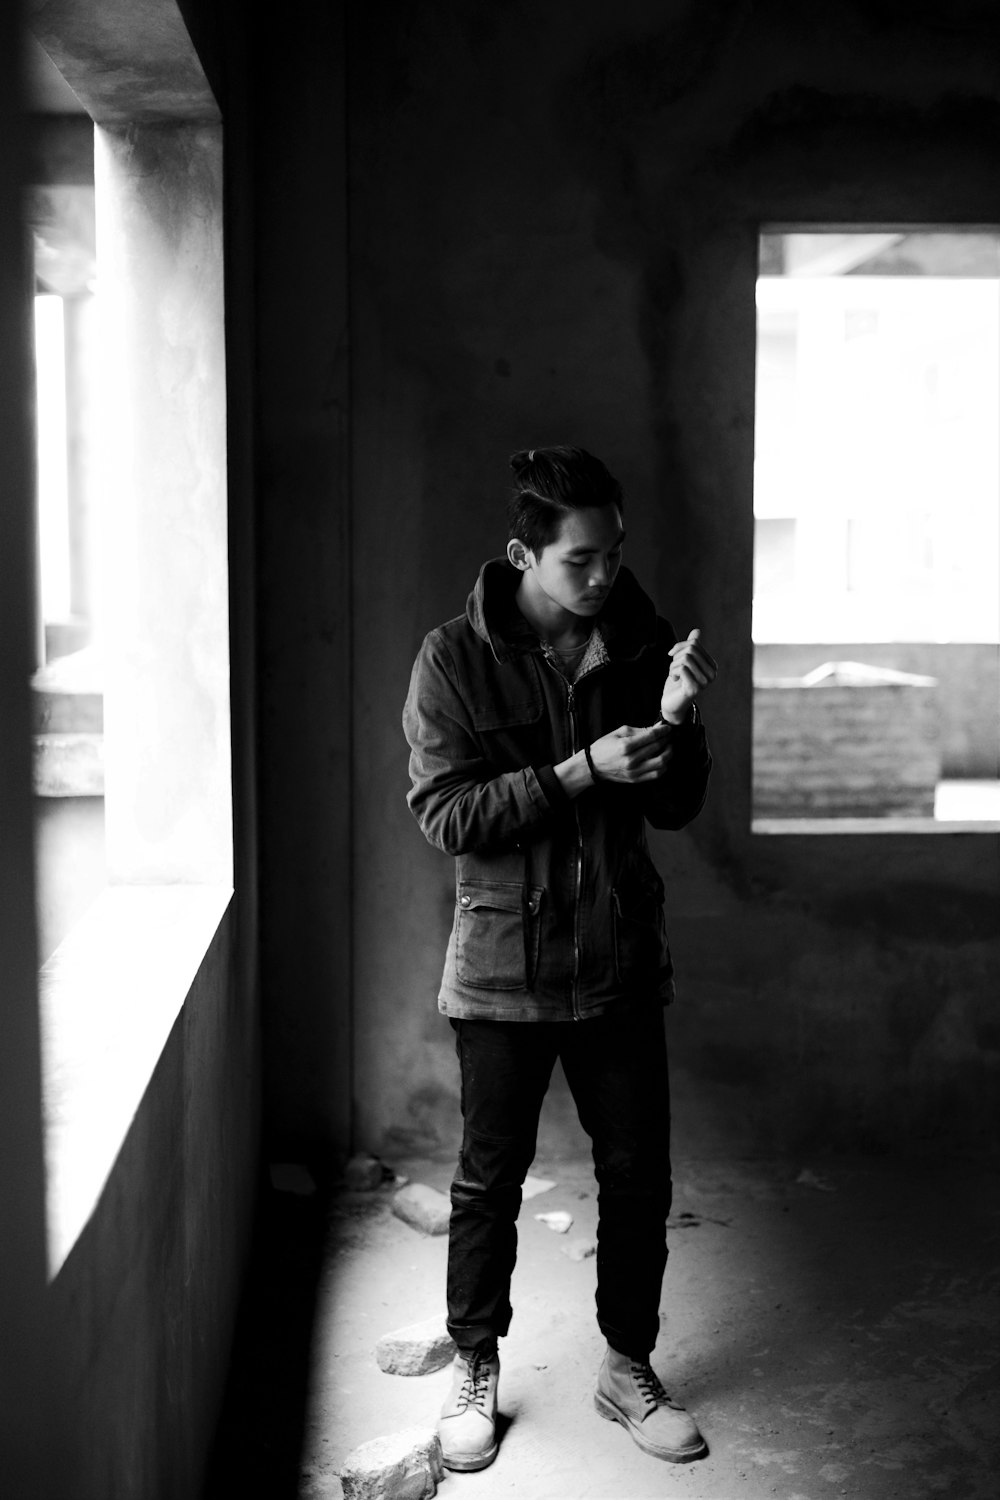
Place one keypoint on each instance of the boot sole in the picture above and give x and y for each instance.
(612, 1413)
(467, 1464)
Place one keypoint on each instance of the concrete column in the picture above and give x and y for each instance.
(29, 1430)
(164, 593)
(304, 551)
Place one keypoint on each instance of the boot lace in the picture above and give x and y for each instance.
(474, 1387)
(649, 1385)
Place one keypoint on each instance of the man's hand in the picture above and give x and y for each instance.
(691, 670)
(628, 755)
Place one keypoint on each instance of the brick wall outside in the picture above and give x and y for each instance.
(845, 751)
(968, 689)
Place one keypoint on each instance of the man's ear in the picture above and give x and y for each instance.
(519, 555)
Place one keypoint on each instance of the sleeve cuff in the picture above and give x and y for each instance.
(551, 786)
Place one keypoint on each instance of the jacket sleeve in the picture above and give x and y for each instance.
(679, 795)
(457, 797)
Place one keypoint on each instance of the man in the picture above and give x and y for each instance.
(546, 725)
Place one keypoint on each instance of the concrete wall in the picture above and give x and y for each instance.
(554, 218)
(27, 1344)
(112, 1379)
(304, 581)
(144, 1302)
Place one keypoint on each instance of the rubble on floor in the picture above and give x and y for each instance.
(423, 1208)
(418, 1349)
(403, 1466)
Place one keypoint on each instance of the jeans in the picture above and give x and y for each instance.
(616, 1068)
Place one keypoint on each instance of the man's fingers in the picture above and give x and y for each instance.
(683, 655)
(694, 636)
(697, 670)
(639, 739)
(650, 754)
(652, 770)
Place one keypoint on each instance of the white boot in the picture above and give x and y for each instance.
(468, 1424)
(629, 1392)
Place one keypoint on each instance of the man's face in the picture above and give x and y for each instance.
(576, 571)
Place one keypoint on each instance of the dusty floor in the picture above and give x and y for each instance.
(831, 1323)
(835, 1336)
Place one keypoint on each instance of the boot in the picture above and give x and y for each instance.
(468, 1423)
(629, 1392)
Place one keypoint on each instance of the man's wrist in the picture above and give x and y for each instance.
(689, 718)
(573, 774)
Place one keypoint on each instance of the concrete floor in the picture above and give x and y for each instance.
(832, 1324)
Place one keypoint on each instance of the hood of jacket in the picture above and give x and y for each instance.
(627, 620)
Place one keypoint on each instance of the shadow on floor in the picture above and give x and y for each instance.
(260, 1433)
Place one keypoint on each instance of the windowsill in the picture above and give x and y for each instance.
(827, 826)
(109, 997)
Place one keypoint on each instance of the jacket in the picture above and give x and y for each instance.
(558, 905)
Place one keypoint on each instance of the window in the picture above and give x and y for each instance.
(113, 988)
(876, 616)
(67, 696)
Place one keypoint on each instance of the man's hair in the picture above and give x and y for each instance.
(550, 482)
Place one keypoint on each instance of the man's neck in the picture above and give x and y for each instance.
(560, 627)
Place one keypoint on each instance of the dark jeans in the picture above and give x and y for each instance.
(616, 1068)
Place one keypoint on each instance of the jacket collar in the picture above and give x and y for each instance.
(628, 619)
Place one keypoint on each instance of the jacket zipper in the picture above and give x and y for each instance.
(578, 875)
(573, 747)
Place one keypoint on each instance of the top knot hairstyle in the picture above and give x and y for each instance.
(549, 482)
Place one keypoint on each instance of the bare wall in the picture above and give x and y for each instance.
(553, 216)
(133, 1335)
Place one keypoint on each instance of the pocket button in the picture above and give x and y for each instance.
(465, 900)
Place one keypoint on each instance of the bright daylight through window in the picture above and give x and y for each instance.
(876, 615)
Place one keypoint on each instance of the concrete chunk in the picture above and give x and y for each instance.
(418, 1349)
(423, 1208)
(403, 1466)
(558, 1220)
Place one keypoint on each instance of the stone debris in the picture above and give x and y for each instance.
(291, 1177)
(580, 1248)
(403, 1466)
(535, 1185)
(423, 1208)
(418, 1349)
(558, 1220)
(364, 1173)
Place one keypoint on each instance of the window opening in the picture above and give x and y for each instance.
(50, 407)
(876, 612)
(67, 696)
(148, 577)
